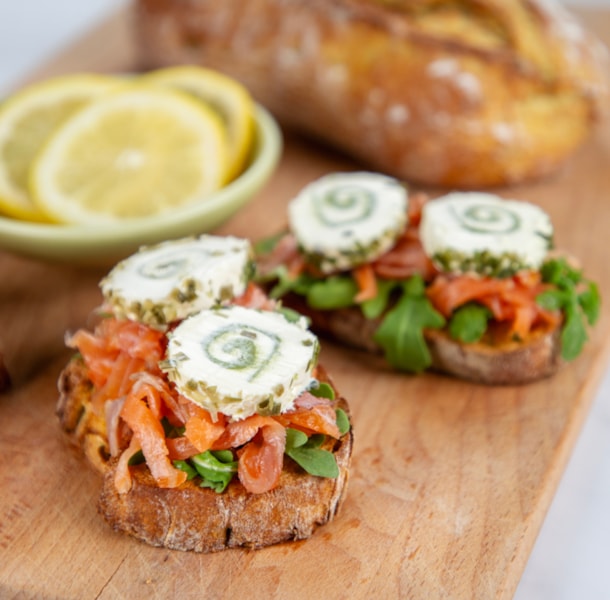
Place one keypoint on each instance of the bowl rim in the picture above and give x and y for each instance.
(14, 234)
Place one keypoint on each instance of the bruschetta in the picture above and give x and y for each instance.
(203, 405)
(467, 283)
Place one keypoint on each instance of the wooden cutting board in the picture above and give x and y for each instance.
(450, 481)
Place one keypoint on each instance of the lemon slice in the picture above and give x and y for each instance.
(135, 152)
(223, 94)
(27, 118)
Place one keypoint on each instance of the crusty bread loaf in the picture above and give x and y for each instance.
(469, 93)
(197, 519)
(512, 363)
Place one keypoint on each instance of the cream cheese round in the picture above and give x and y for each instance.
(169, 281)
(240, 361)
(343, 220)
(475, 231)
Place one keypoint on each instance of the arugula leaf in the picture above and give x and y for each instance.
(136, 459)
(216, 468)
(342, 421)
(401, 333)
(578, 298)
(183, 465)
(336, 291)
(375, 307)
(170, 430)
(590, 302)
(553, 299)
(267, 245)
(469, 322)
(308, 454)
(573, 332)
(321, 389)
(295, 438)
(292, 315)
(287, 283)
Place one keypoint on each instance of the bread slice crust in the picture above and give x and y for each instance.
(192, 518)
(512, 363)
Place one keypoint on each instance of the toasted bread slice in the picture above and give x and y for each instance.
(193, 518)
(85, 429)
(507, 364)
(511, 363)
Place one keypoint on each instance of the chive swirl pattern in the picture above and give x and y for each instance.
(171, 265)
(241, 347)
(484, 218)
(344, 205)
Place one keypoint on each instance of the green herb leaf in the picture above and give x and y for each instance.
(342, 421)
(267, 245)
(315, 440)
(295, 438)
(376, 306)
(291, 315)
(136, 459)
(285, 282)
(578, 298)
(214, 469)
(590, 302)
(184, 466)
(560, 273)
(306, 452)
(321, 389)
(224, 456)
(415, 286)
(573, 333)
(401, 333)
(337, 291)
(170, 430)
(315, 461)
(553, 299)
(469, 322)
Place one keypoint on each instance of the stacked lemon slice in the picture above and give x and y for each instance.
(93, 148)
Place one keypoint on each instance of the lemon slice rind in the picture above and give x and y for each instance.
(27, 118)
(135, 152)
(223, 94)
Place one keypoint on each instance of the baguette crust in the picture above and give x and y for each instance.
(466, 94)
(191, 518)
(513, 363)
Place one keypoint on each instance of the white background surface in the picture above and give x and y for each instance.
(571, 558)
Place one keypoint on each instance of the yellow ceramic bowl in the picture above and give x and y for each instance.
(104, 244)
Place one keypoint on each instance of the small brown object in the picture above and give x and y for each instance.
(192, 518)
(468, 94)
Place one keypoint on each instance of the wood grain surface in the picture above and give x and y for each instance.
(450, 481)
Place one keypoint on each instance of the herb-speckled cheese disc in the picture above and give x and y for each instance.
(483, 233)
(343, 220)
(241, 361)
(169, 281)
